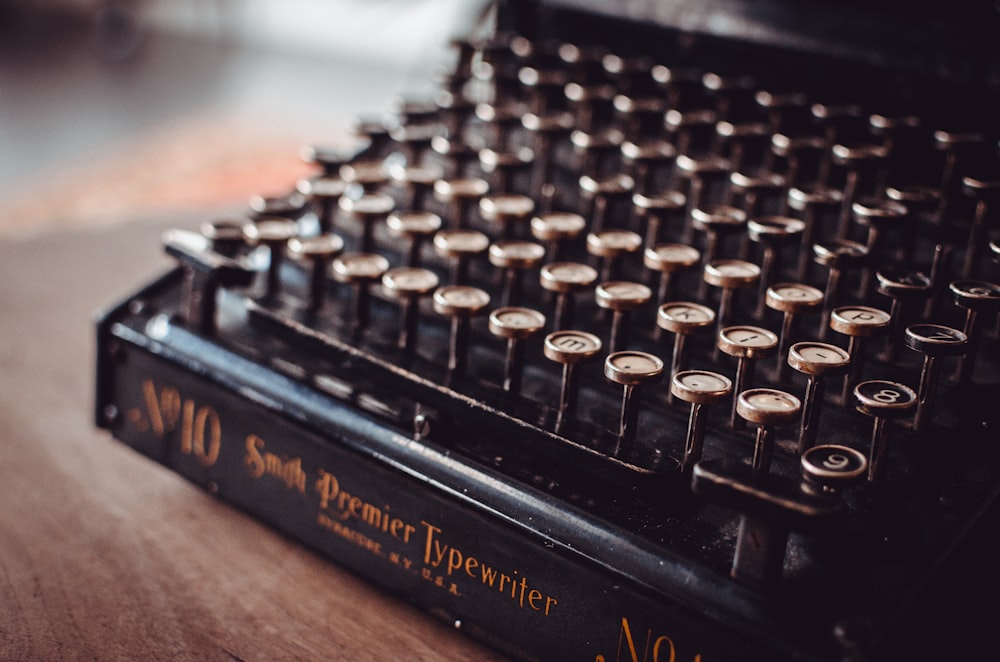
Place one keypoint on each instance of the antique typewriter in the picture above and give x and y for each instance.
(660, 332)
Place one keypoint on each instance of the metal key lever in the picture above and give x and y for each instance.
(205, 272)
(772, 506)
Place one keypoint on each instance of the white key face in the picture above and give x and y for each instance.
(463, 297)
(563, 345)
(738, 269)
(420, 223)
(362, 265)
(863, 316)
(558, 224)
(618, 240)
(518, 250)
(749, 336)
(687, 314)
(676, 254)
(516, 206)
(410, 279)
(766, 400)
(571, 273)
(798, 293)
(822, 353)
(704, 382)
(462, 241)
(625, 291)
(637, 364)
(519, 318)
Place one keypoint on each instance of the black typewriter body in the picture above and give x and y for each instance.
(557, 504)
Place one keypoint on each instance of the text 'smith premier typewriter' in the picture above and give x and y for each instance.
(662, 335)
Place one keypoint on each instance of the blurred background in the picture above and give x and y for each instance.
(132, 110)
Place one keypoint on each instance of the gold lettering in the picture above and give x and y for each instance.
(439, 554)
(288, 470)
(153, 407)
(662, 645)
(327, 487)
(207, 418)
(201, 429)
(187, 427)
(253, 461)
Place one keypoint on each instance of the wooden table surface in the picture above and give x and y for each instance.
(107, 555)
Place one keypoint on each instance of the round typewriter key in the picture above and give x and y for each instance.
(456, 154)
(611, 246)
(565, 279)
(934, 341)
(668, 259)
(325, 192)
(795, 151)
(880, 217)
(570, 348)
(506, 209)
(730, 276)
(515, 257)
(621, 297)
(328, 158)
(657, 210)
(459, 302)
(273, 233)
(460, 193)
(716, 221)
(515, 324)
(827, 469)
(987, 195)
(792, 300)
(754, 189)
(739, 138)
(225, 237)
(290, 206)
(687, 127)
(417, 227)
(646, 158)
(747, 344)
(414, 137)
(504, 163)
(857, 160)
(698, 387)
(408, 284)
(632, 370)
(318, 250)
(838, 256)
(767, 408)
(369, 174)
(416, 180)
(360, 270)
(817, 361)
(591, 148)
(771, 232)
(957, 147)
(544, 129)
(979, 298)
(812, 202)
(368, 210)
(904, 288)
(882, 400)
(460, 246)
(556, 229)
(602, 193)
(858, 323)
(682, 318)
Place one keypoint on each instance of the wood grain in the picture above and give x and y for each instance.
(105, 554)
